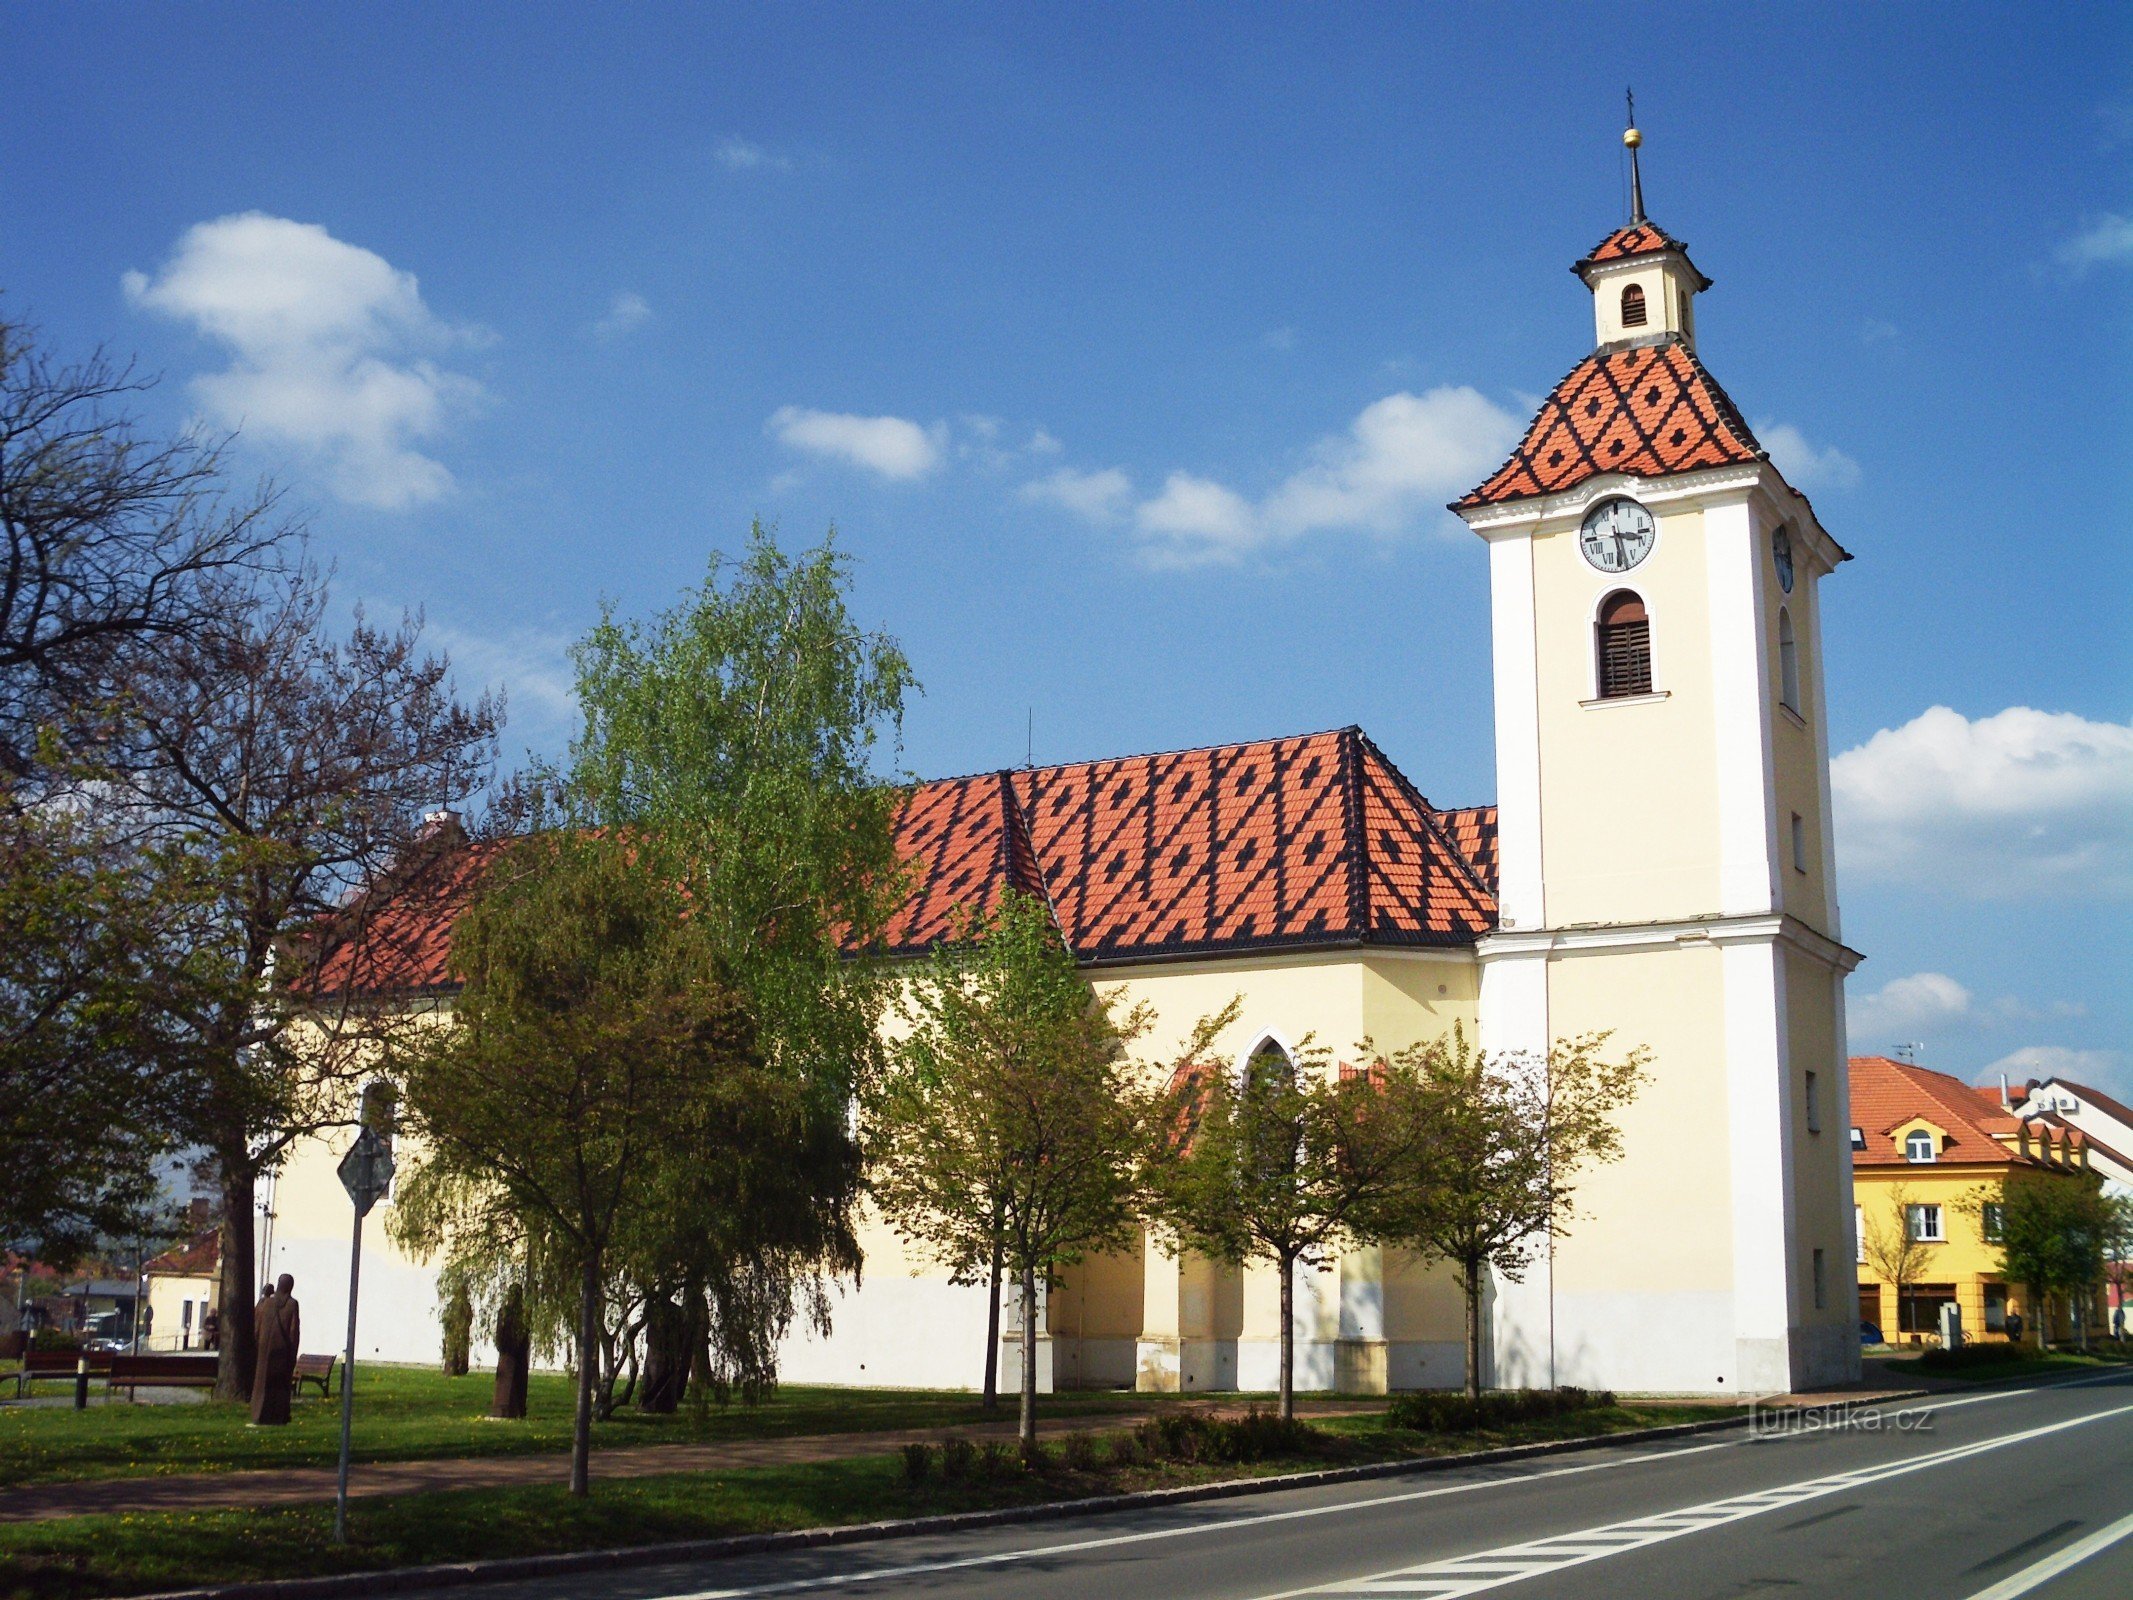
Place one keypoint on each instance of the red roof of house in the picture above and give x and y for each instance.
(1886, 1094)
(1646, 409)
(198, 1257)
(1276, 843)
(1638, 239)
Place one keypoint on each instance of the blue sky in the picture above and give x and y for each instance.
(1134, 351)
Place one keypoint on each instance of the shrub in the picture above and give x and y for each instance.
(1449, 1411)
(1126, 1451)
(1190, 1437)
(918, 1462)
(1078, 1451)
(995, 1460)
(1970, 1355)
(958, 1456)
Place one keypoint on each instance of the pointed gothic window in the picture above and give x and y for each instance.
(1624, 639)
(1633, 306)
(1788, 662)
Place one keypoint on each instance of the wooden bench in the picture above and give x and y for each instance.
(162, 1372)
(48, 1364)
(314, 1369)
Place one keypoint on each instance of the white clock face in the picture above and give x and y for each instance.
(1617, 535)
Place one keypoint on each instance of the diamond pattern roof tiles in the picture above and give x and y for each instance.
(1646, 409)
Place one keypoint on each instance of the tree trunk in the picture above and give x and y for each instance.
(1288, 1337)
(666, 1356)
(992, 1333)
(238, 1290)
(1029, 1358)
(581, 1431)
(514, 1348)
(1472, 1286)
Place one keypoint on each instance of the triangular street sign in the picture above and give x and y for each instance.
(367, 1170)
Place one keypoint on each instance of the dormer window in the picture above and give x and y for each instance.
(1633, 313)
(1858, 1138)
(1624, 641)
(1918, 1146)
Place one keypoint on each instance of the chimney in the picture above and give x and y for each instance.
(2005, 1103)
(441, 820)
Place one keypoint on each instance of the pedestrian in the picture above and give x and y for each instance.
(278, 1329)
(2118, 1321)
(2014, 1326)
(211, 1329)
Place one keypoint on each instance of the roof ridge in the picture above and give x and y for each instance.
(1141, 755)
(1430, 814)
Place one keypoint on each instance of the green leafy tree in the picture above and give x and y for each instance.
(593, 1045)
(2054, 1234)
(1499, 1146)
(1013, 1117)
(1277, 1164)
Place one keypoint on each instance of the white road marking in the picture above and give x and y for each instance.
(1493, 1569)
(1260, 1519)
(2035, 1577)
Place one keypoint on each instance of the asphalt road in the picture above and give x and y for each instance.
(1977, 1497)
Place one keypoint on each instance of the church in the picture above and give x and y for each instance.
(1658, 864)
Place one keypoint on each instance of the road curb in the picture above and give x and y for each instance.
(407, 1580)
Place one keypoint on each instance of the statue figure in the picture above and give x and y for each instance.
(278, 1328)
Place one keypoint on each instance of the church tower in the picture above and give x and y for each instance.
(1667, 867)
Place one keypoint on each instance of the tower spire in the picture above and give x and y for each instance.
(1632, 138)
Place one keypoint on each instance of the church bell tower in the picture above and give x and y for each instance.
(1667, 868)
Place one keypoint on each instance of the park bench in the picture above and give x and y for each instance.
(314, 1369)
(162, 1372)
(38, 1364)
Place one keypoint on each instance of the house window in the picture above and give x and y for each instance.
(1633, 313)
(1994, 1217)
(1814, 1103)
(1918, 1146)
(1625, 646)
(1923, 1223)
(1918, 1306)
(1859, 1229)
(1788, 662)
(1858, 1138)
(1821, 1283)
(1799, 843)
(1996, 1308)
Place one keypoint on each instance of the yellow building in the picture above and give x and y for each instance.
(184, 1286)
(1659, 865)
(1926, 1149)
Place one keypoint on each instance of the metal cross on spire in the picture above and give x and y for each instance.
(1632, 138)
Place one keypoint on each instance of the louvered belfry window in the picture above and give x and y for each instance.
(1625, 642)
(1633, 306)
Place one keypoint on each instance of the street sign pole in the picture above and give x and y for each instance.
(366, 1172)
(348, 1375)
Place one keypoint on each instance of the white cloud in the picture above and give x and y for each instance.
(1804, 466)
(1876, 329)
(1097, 496)
(736, 154)
(1403, 455)
(892, 446)
(2102, 240)
(2024, 804)
(626, 313)
(1042, 443)
(1279, 338)
(531, 666)
(2055, 1061)
(330, 348)
(1901, 1009)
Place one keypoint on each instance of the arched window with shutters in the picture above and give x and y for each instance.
(1788, 662)
(1623, 637)
(1633, 313)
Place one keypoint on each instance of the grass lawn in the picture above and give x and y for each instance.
(2055, 1363)
(411, 1413)
(80, 1557)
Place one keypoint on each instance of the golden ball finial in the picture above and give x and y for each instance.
(1632, 138)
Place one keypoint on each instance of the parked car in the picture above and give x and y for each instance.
(1869, 1333)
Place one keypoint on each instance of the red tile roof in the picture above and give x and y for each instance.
(1886, 1094)
(1638, 239)
(198, 1257)
(399, 939)
(1644, 409)
(1278, 843)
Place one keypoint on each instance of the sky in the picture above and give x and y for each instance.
(1133, 352)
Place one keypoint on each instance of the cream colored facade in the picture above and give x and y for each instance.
(1667, 876)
